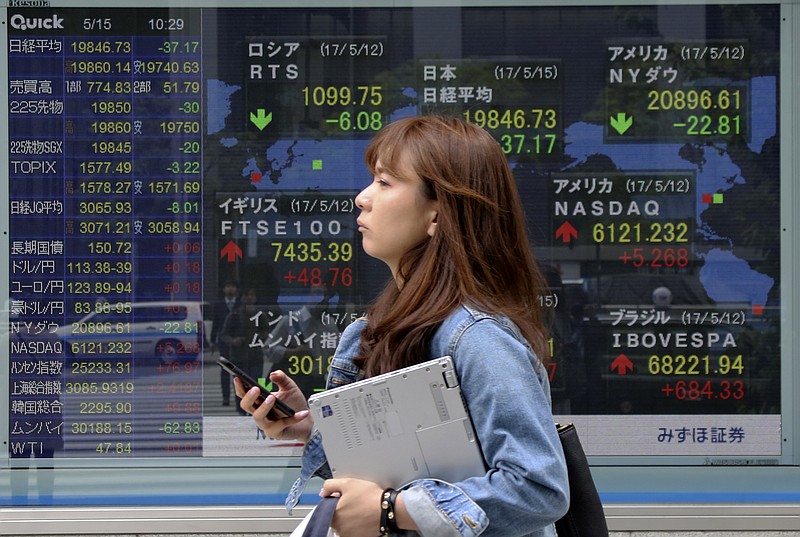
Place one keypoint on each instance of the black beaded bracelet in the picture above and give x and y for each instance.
(388, 520)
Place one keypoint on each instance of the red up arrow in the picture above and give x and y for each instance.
(232, 251)
(622, 364)
(566, 232)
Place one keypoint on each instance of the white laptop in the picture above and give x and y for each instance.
(393, 428)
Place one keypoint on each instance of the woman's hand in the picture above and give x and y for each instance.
(297, 427)
(358, 512)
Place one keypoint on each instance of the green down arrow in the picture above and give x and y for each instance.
(261, 119)
(621, 123)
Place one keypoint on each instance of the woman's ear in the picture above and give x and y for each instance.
(432, 224)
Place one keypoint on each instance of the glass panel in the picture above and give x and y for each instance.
(159, 158)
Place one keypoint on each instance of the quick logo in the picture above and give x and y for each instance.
(20, 22)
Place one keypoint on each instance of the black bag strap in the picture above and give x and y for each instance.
(321, 518)
(585, 517)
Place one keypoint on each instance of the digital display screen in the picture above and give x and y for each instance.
(155, 156)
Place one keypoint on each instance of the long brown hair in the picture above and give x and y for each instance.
(478, 255)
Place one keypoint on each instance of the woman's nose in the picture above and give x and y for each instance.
(361, 198)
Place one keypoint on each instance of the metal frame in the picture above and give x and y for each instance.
(267, 520)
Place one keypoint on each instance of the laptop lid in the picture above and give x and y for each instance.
(393, 428)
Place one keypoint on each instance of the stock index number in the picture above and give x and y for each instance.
(520, 118)
(342, 96)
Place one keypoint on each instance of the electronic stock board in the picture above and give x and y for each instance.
(151, 155)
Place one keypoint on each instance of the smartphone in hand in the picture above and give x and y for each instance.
(280, 410)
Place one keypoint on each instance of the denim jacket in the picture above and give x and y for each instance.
(507, 391)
